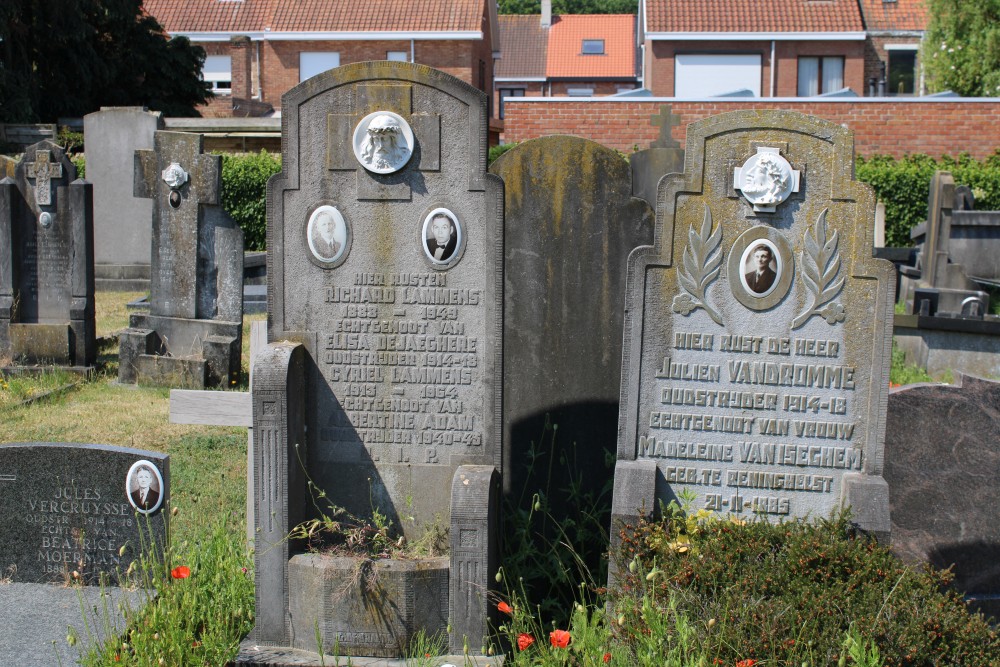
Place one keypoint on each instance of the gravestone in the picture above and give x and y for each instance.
(758, 331)
(941, 464)
(568, 233)
(941, 284)
(664, 156)
(67, 507)
(382, 379)
(123, 223)
(192, 335)
(47, 263)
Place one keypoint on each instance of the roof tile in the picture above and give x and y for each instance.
(317, 15)
(906, 15)
(566, 58)
(523, 45)
(753, 16)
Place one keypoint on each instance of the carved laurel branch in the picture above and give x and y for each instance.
(700, 265)
(820, 261)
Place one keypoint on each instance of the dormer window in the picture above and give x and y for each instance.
(593, 47)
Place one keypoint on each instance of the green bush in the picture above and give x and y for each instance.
(904, 185)
(497, 151)
(789, 593)
(244, 188)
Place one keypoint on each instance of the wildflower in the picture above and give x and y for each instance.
(749, 662)
(243, 569)
(561, 638)
(607, 657)
(505, 608)
(524, 640)
(180, 572)
(195, 644)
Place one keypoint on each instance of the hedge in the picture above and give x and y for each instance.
(904, 186)
(244, 187)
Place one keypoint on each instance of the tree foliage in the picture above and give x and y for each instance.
(70, 57)
(570, 6)
(961, 49)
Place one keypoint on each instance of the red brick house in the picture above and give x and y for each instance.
(582, 55)
(259, 49)
(780, 48)
(895, 29)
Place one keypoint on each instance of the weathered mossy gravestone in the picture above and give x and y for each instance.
(47, 262)
(758, 330)
(382, 380)
(192, 335)
(570, 221)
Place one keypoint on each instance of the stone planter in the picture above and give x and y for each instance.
(365, 609)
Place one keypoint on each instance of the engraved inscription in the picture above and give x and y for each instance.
(752, 423)
(403, 353)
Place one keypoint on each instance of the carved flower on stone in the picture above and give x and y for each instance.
(833, 313)
(684, 304)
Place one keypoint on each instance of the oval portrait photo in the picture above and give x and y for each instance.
(144, 487)
(327, 234)
(442, 234)
(761, 268)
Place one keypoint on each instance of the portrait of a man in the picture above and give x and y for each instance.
(441, 235)
(760, 273)
(327, 233)
(385, 146)
(144, 486)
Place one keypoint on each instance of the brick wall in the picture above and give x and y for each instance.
(892, 126)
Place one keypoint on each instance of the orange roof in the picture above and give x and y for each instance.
(750, 16)
(566, 57)
(908, 15)
(280, 16)
(523, 45)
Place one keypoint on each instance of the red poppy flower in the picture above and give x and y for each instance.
(505, 608)
(559, 638)
(524, 640)
(749, 662)
(607, 657)
(180, 572)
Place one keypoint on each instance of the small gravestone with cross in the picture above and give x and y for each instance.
(663, 156)
(46, 262)
(381, 384)
(191, 336)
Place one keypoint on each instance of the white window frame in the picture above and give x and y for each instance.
(398, 56)
(218, 71)
(312, 63)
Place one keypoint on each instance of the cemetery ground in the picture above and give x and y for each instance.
(698, 589)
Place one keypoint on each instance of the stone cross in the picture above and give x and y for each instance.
(176, 216)
(665, 120)
(43, 170)
(381, 97)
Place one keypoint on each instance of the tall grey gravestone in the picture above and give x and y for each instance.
(68, 507)
(123, 223)
(382, 378)
(47, 262)
(758, 330)
(568, 233)
(192, 335)
(664, 156)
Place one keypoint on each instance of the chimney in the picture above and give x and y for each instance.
(546, 13)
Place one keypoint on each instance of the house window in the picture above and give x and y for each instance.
(820, 74)
(580, 92)
(509, 92)
(316, 62)
(218, 73)
(397, 56)
(593, 47)
(902, 73)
